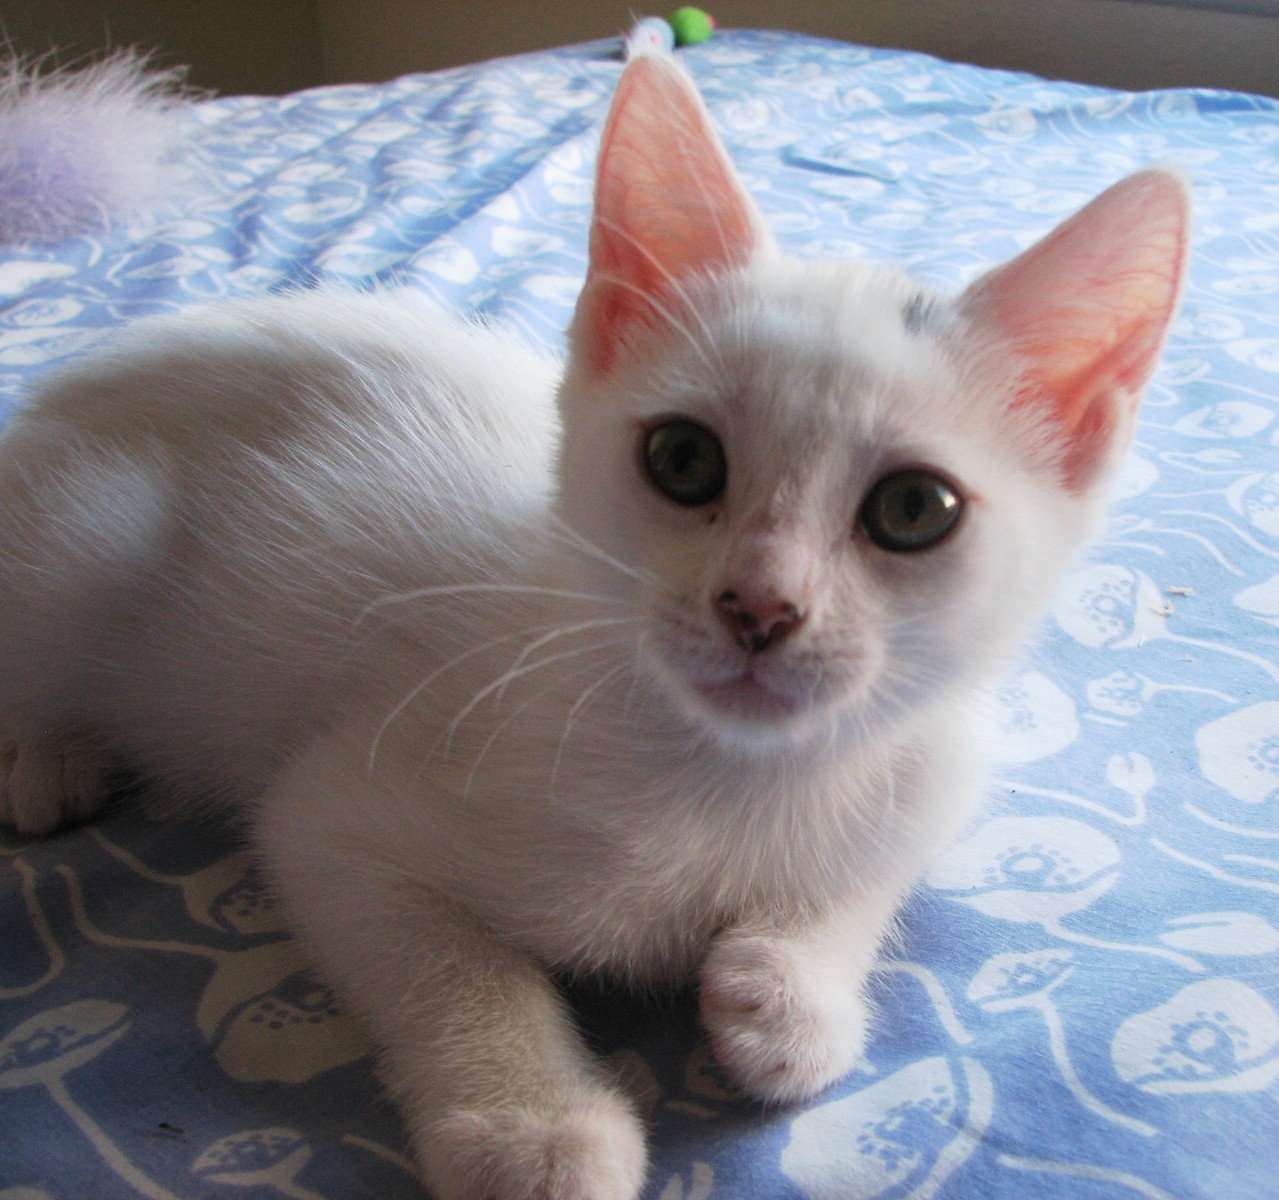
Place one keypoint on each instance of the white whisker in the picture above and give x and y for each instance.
(577, 707)
(577, 539)
(421, 686)
(465, 589)
(636, 670)
(549, 633)
(563, 631)
(507, 677)
(500, 728)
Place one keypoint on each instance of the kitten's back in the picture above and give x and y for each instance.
(251, 477)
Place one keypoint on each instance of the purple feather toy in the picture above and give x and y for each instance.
(81, 149)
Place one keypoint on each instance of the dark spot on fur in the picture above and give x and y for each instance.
(918, 313)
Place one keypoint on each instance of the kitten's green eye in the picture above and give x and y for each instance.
(685, 462)
(910, 510)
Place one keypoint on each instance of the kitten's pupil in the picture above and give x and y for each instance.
(685, 462)
(910, 510)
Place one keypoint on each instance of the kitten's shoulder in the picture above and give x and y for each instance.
(301, 358)
(320, 325)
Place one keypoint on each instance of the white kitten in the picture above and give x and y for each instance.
(690, 690)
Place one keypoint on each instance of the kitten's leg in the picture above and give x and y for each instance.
(784, 1002)
(44, 785)
(785, 1007)
(76, 523)
(501, 1097)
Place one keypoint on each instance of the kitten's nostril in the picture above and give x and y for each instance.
(757, 624)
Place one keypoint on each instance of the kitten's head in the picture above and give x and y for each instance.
(837, 496)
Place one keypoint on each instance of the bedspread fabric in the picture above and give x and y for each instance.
(1084, 1002)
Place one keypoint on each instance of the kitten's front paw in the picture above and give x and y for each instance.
(589, 1152)
(45, 787)
(784, 1024)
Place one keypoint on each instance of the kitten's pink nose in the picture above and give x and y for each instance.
(757, 622)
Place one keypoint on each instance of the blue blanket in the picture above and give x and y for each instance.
(1085, 1001)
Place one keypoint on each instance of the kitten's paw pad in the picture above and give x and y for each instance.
(43, 787)
(594, 1152)
(782, 1024)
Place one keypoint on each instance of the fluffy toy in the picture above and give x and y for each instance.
(687, 27)
(650, 35)
(82, 149)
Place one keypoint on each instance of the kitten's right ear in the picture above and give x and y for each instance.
(668, 205)
(1087, 310)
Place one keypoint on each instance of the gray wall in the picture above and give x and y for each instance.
(1115, 42)
(233, 46)
(281, 45)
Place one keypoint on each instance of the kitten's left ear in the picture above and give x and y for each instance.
(1086, 311)
(668, 205)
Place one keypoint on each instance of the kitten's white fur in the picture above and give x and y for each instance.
(331, 558)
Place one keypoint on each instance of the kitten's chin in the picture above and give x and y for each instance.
(748, 699)
(748, 712)
(775, 701)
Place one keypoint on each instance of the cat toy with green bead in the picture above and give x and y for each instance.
(686, 27)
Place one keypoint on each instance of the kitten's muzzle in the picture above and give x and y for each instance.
(756, 623)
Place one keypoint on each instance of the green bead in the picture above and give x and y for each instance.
(691, 26)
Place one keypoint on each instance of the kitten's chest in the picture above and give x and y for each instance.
(637, 881)
(605, 836)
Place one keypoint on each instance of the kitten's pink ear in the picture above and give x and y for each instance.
(1087, 309)
(668, 205)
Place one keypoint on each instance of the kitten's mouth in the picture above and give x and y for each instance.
(750, 699)
(746, 696)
